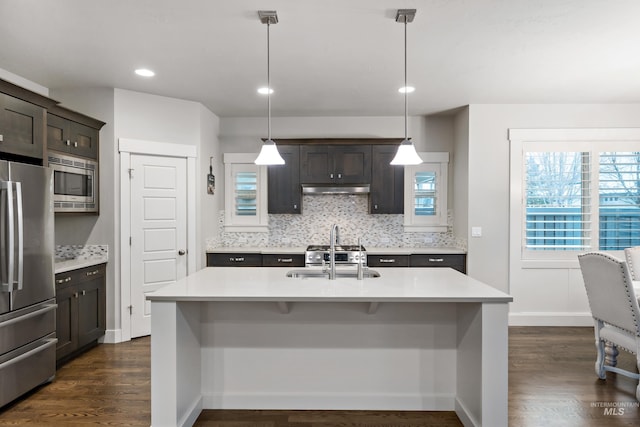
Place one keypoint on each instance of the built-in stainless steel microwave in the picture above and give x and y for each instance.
(74, 183)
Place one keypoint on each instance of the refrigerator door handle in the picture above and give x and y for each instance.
(47, 343)
(20, 233)
(8, 226)
(45, 308)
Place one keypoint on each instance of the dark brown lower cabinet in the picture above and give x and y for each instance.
(455, 261)
(388, 260)
(246, 259)
(229, 259)
(282, 260)
(81, 313)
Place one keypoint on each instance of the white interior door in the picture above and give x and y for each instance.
(158, 230)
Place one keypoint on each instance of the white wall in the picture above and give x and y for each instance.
(552, 296)
(21, 81)
(208, 205)
(160, 119)
(459, 191)
(242, 135)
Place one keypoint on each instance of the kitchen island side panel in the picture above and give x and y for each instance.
(175, 363)
(329, 356)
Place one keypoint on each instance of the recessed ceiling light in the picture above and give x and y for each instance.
(144, 72)
(265, 91)
(407, 89)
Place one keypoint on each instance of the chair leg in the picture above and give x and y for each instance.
(611, 354)
(600, 360)
(638, 387)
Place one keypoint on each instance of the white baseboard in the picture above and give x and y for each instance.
(550, 319)
(191, 414)
(112, 336)
(465, 416)
(328, 401)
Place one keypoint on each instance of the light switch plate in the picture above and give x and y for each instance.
(476, 231)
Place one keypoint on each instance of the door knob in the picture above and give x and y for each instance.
(181, 252)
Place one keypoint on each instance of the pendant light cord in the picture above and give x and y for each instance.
(406, 90)
(268, 87)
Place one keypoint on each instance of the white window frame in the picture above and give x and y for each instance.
(527, 140)
(244, 162)
(437, 162)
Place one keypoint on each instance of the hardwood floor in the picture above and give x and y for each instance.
(551, 383)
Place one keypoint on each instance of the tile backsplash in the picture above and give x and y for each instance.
(350, 212)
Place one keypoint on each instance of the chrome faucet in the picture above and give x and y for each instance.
(360, 272)
(334, 238)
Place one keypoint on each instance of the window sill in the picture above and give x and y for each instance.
(409, 228)
(246, 229)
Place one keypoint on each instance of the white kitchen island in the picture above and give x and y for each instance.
(252, 338)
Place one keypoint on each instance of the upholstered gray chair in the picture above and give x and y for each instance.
(615, 311)
(632, 255)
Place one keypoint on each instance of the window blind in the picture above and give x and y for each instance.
(557, 201)
(246, 191)
(619, 200)
(425, 193)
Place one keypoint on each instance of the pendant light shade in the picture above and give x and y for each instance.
(406, 154)
(269, 154)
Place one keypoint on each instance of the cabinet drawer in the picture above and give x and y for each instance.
(456, 261)
(282, 260)
(228, 259)
(388, 260)
(74, 277)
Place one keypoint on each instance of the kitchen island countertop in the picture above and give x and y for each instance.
(271, 284)
(252, 338)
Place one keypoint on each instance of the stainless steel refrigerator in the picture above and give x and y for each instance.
(27, 289)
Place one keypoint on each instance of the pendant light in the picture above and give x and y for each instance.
(406, 154)
(269, 154)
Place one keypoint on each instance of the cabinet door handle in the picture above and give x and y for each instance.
(295, 206)
(181, 252)
(387, 260)
(1, 138)
(75, 295)
(339, 176)
(84, 292)
(75, 143)
(436, 259)
(67, 142)
(331, 175)
(92, 273)
(287, 260)
(239, 259)
(65, 280)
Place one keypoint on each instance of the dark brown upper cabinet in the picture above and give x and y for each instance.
(335, 164)
(285, 192)
(73, 133)
(387, 182)
(21, 127)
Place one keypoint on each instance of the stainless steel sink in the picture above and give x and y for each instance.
(304, 273)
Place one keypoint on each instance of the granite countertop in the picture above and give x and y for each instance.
(73, 257)
(369, 250)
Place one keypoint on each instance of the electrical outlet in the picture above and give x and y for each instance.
(476, 231)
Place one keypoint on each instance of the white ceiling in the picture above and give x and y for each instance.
(332, 57)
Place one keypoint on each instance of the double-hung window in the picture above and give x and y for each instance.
(425, 194)
(575, 191)
(245, 194)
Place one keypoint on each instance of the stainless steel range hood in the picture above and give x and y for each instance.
(335, 189)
